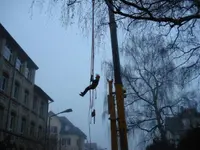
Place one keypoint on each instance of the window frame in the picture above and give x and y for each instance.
(13, 121)
(16, 94)
(2, 111)
(18, 64)
(40, 131)
(23, 126)
(78, 142)
(4, 82)
(54, 129)
(69, 141)
(7, 53)
(35, 103)
(26, 97)
(64, 141)
(32, 126)
(26, 74)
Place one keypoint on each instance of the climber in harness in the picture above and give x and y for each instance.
(91, 86)
(93, 114)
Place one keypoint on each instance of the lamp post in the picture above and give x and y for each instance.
(49, 121)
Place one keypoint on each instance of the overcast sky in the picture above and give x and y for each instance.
(63, 57)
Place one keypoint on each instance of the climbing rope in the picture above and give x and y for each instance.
(92, 94)
(89, 114)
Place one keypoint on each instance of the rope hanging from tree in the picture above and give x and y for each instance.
(92, 92)
(92, 113)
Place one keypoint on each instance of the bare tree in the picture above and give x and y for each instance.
(140, 17)
(153, 79)
(172, 12)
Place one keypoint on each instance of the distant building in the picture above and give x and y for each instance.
(23, 105)
(66, 135)
(176, 126)
(91, 146)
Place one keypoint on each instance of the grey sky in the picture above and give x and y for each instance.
(63, 57)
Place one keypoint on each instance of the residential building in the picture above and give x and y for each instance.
(177, 126)
(66, 135)
(23, 104)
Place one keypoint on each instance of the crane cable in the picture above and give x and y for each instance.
(91, 105)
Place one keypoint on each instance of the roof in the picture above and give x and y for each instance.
(40, 92)
(51, 113)
(72, 129)
(65, 121)
(5, 34)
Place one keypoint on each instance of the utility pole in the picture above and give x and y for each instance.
(118, 80)
(112, 112)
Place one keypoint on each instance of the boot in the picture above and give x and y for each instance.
(81, 94)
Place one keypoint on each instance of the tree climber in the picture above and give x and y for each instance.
(91, 86)
(93, 114)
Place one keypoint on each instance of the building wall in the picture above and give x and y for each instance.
(55, 122)
(18, 106)
(76, 143)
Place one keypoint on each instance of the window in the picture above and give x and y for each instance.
(67, 128)
(64, 141)
(1, 116)
(39, 131)
(26, 73)
(18, 65)
(26, 96)
(54, 129)
(23, 125)
(32, 128)
(78, 142)
(16, 90)
(13, 121)
(7, 53)
(30, 75)
(35, 101)
(4, 82)
(68, 141)
(42, 109)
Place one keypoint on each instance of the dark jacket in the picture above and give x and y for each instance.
(95, 83)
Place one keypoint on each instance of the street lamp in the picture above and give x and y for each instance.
(65, 111)
(62, 112)
(49, 121)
